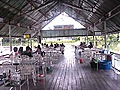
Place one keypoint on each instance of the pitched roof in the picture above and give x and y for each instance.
(30, 16)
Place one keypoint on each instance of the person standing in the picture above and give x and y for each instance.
(76, 52)
(62, 48)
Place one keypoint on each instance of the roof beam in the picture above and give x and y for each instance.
(114, 31)
(11, 36)
(64, 33)
(47, 23)
(80, 20)
(41, 6)
(52, 18)
(53, 5)
(93, 7)
(13, 16)
(108, 15)
(78, 8)
(29, 1)
(83, 16)
(17, 10)
(13, 25)
(80, 3)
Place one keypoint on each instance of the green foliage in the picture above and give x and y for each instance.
(61, 41)
(90, 39)
(113, 41)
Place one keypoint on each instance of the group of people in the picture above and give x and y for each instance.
(84, 45)
(38, 50)
(56, 45)
(16, 51)
(27, 52)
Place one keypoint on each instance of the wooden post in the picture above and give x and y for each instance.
(31, 42)
(87, 36)
(105, 40)
(10, 38)
(39, 37)
(93, 34)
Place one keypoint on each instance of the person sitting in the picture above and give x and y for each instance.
(20, 50)
(62, 48)
(84, 45)
(42, 44)
(62, 45)
(81, 45)
(14, 53)
(38, 50)
(55, 46)
(47, 46)
(28, 52)
(51, 45)
(91, 45)
(15, 49)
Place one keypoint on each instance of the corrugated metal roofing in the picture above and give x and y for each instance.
(30, 16)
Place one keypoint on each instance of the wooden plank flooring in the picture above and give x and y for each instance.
(69, 74)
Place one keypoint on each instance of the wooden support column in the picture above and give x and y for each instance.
(31, 42)
(1, 41)
(93, 34)
(10, 38)
(39, 37)
(87, 37)
(105, 40)
(30, 38)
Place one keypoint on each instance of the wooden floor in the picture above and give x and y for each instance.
(69, 74)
